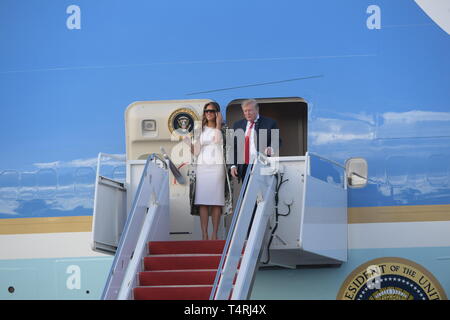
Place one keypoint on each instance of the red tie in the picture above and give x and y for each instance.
(247, 143)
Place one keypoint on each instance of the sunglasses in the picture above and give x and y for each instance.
(209, 111)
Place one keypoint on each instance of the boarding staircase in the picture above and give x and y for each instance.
(148, 266)
(145, 267)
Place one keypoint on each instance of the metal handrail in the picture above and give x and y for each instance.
(308, 166)
(261, 195)
(126, 227)
(325, 159)
(247, 233)
(231, 231)
(114, 156)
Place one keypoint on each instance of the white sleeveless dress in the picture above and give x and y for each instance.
(210, 175)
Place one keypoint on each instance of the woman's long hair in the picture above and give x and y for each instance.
(215, 105)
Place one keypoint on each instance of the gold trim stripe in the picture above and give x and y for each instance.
(399, 214)
(355, 215)
(46, 225)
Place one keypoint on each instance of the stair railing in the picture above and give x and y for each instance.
(257, 192)
(149, 217)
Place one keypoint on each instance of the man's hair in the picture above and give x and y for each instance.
(250, 101)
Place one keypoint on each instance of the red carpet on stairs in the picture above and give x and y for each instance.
(179, 270)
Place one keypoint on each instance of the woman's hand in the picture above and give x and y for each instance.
(219, 120)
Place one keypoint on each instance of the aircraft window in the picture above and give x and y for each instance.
(356, 169)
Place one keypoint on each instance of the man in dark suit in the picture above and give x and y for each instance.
(258, 137)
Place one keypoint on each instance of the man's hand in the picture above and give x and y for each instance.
(234, 172)
(269, 151)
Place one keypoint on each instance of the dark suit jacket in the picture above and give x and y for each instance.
(262, 123)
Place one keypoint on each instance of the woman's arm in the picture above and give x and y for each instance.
(195, 147)
(218, 137)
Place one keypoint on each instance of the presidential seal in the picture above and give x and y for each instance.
(391, 279)
(181, 121)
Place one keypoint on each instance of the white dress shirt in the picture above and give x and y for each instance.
(253, 151)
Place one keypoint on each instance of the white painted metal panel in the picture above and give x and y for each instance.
(290, 193)
(323, 229)
(134, 173)
(109, 214)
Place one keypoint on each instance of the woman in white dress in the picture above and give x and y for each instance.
(210, 173)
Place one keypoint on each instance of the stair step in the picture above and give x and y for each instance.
(177, 277)
(179, 270)
(178, 262)
(172, 293)
(193, 246)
